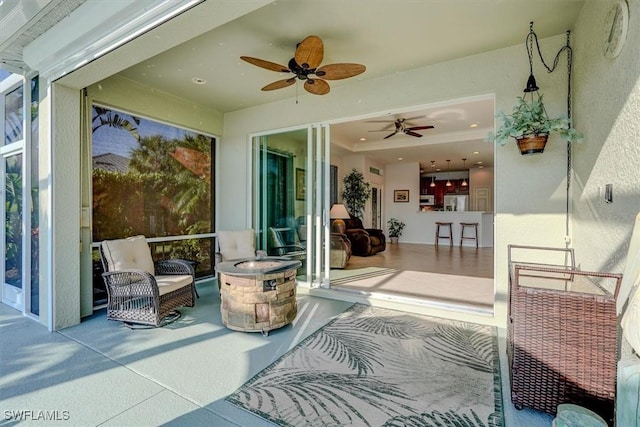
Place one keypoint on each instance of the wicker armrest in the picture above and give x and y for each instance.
(174, 266)
(287, 250)
(143, 281)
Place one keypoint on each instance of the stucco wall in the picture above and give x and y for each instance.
(404, 176)
(120, 92)
(65, 213)
(530, 190)
(606, 106)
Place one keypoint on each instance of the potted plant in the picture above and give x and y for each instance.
(395, 229)
(530, 126)
(355, 193)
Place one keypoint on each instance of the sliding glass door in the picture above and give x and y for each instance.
(19, 211)
(290, 198)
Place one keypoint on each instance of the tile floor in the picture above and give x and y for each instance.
(100, 373)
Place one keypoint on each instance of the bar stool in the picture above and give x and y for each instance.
(439, 236)
(469, 224)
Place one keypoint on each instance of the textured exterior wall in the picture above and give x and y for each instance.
(65, 210)
(117, 91)
(606, 106)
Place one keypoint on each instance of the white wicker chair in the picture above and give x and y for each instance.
(141, 291)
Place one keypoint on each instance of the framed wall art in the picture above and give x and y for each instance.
(300, 184)
(401, 196)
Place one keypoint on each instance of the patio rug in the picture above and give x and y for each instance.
(377, 367)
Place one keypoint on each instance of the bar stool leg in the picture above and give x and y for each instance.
(439, 236)
(475, 229)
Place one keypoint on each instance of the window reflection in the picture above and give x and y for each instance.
(152, 179)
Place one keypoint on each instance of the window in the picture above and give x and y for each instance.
(153, 179)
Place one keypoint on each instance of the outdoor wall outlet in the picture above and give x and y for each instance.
(608, 193)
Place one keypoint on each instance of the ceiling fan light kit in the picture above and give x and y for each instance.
(305, 64)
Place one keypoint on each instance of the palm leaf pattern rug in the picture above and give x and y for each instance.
(376, 367)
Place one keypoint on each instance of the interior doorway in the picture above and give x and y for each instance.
(376, 206)
(458, 135)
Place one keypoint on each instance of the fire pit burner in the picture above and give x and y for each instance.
(263, 265)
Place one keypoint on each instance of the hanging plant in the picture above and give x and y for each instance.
(530, 124)
(356, 192)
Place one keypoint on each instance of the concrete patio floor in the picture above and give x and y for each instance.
(101, 373)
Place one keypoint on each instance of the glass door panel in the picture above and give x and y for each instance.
(288, 191)
(12, 267)
(14, 116)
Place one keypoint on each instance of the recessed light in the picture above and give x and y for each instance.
(476, 152)
(363, 139)
(199, 81)
(473, 125)
(400, 158)
(479, 163)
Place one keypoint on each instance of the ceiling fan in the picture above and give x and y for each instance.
(402, 126)
(305, 64)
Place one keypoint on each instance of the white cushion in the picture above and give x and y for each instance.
(236, 244)
(130, 253)
(171, 283)
(632, 267)
(631, 319)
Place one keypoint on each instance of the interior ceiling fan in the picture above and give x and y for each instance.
(402, 126)
(305, 64)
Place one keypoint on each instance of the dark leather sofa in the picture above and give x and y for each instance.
(364, 241)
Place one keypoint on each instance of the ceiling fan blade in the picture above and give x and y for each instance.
(408, 132)
(280, 84)
(380, 130)
(266, 64)
(310, 52)
(340, 71)
(419, 127)
(389, 136)
(317, 86)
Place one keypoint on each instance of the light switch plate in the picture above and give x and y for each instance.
(608, 193)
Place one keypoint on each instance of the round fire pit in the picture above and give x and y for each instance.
(258, 294)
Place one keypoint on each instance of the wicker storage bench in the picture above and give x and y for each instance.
(563, 335)
(258, 294)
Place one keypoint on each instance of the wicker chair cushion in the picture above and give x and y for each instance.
(168, 284)
(236, 244)
(130, 253)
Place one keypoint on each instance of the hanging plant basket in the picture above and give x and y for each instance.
(533, 144)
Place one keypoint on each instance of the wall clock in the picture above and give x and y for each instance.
(615, 28)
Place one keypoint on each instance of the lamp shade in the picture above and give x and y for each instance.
(338, 211)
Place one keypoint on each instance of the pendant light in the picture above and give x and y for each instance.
(433, 177)
(448, 184)
(464, 167)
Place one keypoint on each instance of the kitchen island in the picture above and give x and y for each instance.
(426, 221)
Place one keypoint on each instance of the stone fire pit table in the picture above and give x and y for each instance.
(258, 294)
